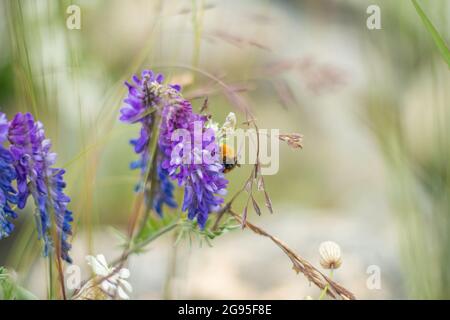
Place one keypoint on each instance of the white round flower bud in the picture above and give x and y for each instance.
(330, 255)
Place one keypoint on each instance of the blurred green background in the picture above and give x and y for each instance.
(372, 105)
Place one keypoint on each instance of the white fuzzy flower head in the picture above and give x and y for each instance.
(115, 283)
(230, 122)
(228, 127)
(330, 255)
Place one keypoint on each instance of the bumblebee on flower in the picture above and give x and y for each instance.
(162, 110)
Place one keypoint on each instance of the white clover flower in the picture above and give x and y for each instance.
(226, 130)
(229, 125)
(230, 121)
(330, 255)
(115, 283)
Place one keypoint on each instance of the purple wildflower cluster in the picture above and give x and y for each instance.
(29, 161)
(196, 165)
(199, 169)
(8, 195)
(140, 106)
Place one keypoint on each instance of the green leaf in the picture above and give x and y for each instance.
(24, 294)
(9, 290)
(152, 226)
(437, 38)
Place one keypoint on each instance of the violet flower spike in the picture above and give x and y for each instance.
(8, 196)
(33, 163)
(204, 181)
(141, 104)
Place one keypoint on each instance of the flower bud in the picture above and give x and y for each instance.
(330, 255)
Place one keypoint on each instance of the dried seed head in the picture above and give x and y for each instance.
(330, 255)
(91, 291)
(294, 140)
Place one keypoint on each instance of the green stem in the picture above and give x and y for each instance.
(141, 245)
(171, 271)
(154, 237)
(50, 277)
(325, 290)
(437, 38)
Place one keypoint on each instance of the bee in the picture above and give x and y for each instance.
(229, 158)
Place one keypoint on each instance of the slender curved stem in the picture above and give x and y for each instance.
(324, 291)
(141, 245)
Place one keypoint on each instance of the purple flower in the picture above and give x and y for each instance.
(144, 96)
(164, 193)
(8, 195)
(196, 166)
(193, 159)
(138, 105)
(33, 163)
